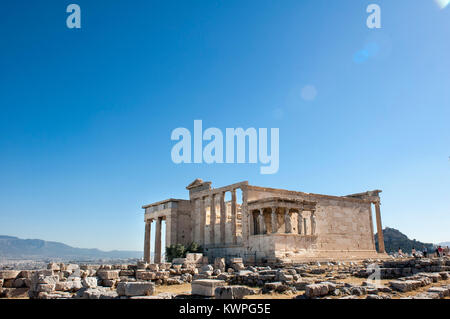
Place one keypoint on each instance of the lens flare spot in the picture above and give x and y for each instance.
(361, 56)
(309, 93)
(372, 49)
(442, 3)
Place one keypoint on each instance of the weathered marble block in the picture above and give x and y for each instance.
(205, 287)
(135, 288)
(145, 275)
(108, 274)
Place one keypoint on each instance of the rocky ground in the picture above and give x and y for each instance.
(194, 277)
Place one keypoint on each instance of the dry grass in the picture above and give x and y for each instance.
(274, 295)
(359, 281)
(176, 289)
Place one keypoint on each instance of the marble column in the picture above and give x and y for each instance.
(262, 224)
(287, 222)
(223, 218)
(233, 216)
(274, 220)
(244, 215)
(371, 225)
(300, 223)
(168, 231)
(194, 219)
(212, 220)
(148, 224)
(158, 241)
(305, 227)
(381, 248)
(202, 221)
(255, 222)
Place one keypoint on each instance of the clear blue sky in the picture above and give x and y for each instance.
(86, 115)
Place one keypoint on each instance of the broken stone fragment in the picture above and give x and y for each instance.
(165, 266)
(205, 287)
(53, 266)
(316, 290)
(9, 274)
(108, 274)
(206, 268)
(441, 291)
(219, 263)
(109, 282)
(358, 291)
(153, 267)
(145, 275)
(424, 295)
(232, 292)
(71, 286)
(97, 293)
(444, 275)
(274, 286)
(405, 286)
(89, 282)
(174, 281)
(135, 288)
(45, 287)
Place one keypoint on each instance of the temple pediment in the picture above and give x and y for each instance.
(198, 185)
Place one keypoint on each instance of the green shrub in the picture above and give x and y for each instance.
(180, 251)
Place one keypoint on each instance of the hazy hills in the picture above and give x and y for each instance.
(394, 239)
(36, 249)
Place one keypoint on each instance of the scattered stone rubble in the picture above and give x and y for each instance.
(402, 268)
(230, 279)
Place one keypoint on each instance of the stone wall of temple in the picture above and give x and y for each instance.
(268, 224)
(343, 225)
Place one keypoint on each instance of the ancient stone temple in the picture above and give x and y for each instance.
(263, 225)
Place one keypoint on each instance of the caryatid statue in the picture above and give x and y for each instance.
(313, 223)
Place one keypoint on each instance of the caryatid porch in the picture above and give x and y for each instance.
(277, 215)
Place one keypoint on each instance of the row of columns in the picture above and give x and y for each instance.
(213, 216)
(301, 222)
(147, 249)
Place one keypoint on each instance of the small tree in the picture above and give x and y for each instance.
(174, 251)
(193, 248)
(180, 251)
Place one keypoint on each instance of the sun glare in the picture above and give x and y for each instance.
(442, 3)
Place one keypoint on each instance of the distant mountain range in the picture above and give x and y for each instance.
(394, 239)
(445, 244)
(36, 249)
